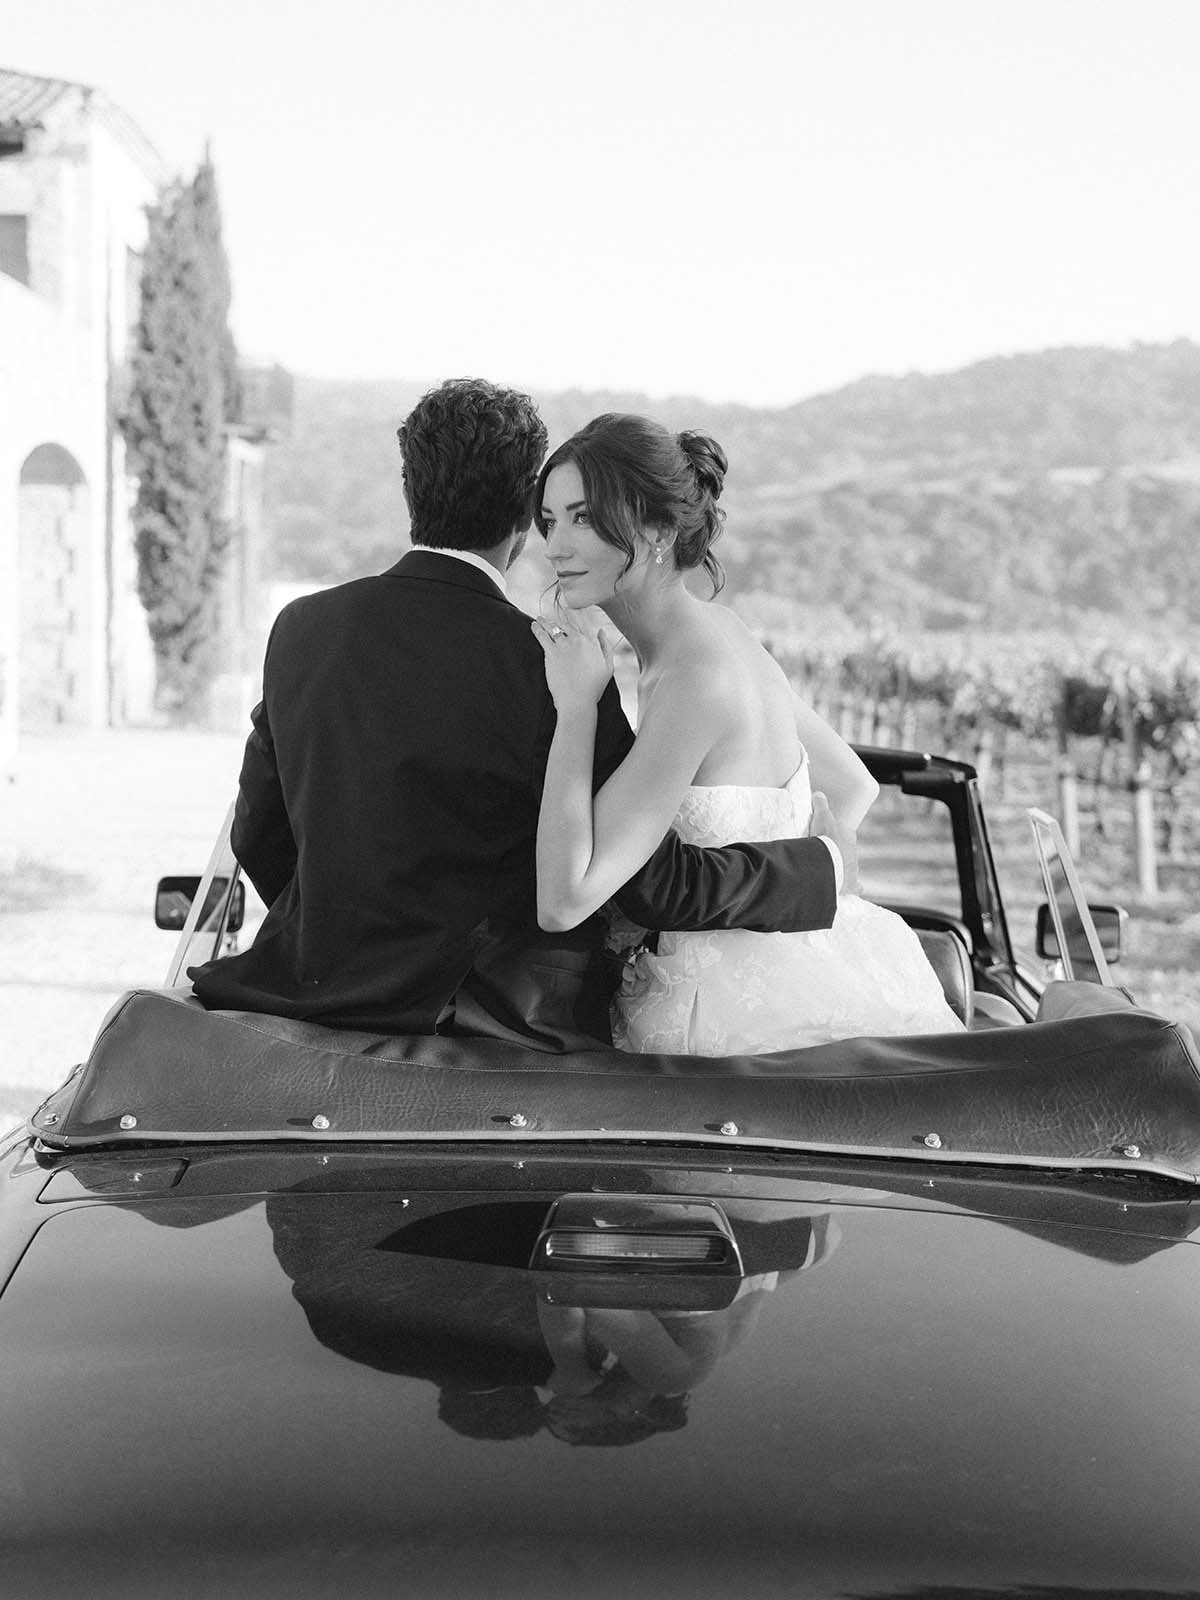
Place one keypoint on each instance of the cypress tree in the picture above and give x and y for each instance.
(183, 390)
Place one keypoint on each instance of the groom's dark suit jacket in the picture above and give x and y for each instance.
(387, 814)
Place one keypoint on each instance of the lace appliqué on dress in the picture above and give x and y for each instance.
(733, 992)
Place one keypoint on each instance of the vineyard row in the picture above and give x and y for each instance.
(1121, 719)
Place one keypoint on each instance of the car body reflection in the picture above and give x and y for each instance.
(595, 1360)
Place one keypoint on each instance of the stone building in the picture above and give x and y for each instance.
(76, 178)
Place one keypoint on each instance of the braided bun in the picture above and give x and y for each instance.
(708, 461)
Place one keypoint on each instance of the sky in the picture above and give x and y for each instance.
(744, 200)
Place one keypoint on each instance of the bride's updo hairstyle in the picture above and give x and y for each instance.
(637, 475)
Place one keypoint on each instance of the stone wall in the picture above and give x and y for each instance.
(63, 342)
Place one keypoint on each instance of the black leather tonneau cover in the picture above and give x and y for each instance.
(1119, 1087)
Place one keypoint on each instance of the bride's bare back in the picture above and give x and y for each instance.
(709, 668)
(755, 740)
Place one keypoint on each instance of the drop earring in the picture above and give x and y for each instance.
(658, 555)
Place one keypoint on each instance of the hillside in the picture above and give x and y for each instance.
(1021, 489)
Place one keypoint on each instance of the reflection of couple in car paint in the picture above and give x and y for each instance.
(621, 1373)
(448, 1298)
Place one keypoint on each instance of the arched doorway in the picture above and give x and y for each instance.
(52, 522)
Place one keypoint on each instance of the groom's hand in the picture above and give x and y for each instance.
(826, 823)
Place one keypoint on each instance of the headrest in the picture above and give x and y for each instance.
(948, 957)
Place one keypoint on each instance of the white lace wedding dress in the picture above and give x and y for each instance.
(734, 993)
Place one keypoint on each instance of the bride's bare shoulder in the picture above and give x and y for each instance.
(738, 649)
(716, 655)
(701, 681)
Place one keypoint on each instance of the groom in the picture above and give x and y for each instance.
(388, 798)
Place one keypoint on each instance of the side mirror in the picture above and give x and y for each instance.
(1109, 920)
(173, 900)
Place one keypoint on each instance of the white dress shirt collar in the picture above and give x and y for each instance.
(473, 559)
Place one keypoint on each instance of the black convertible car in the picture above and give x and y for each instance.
(289, 1311)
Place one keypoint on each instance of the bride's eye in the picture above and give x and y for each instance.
(585, 517)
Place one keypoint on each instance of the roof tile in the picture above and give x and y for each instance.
(24, 99)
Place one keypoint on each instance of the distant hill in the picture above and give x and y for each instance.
(1017, 490)
(1015, 415)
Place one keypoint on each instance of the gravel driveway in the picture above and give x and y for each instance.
(87, 826)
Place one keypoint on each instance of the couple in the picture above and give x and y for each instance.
(430, 777)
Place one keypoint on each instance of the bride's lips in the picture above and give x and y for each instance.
(565, 577)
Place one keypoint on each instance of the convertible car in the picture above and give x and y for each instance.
(290, 1311)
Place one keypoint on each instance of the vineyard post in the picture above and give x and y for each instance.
(985, 745)
(1106, 757)
(1000, 758)
(1068, 803)
(1142, 786)
(1068, 778)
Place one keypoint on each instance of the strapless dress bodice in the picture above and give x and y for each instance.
(731, 992)
(716, 814)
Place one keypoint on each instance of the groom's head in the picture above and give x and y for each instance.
(471, 457)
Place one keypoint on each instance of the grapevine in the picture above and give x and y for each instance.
(1118, 710)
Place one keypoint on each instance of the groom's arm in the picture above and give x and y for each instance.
(788, 886)
(262, 836)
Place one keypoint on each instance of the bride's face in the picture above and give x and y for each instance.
(589, 569)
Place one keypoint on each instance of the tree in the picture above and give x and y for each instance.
(183, 392)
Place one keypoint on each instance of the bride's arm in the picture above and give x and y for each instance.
(588, 847)
(836, 770)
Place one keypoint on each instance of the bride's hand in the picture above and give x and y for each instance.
(579, 662)
(827, 822)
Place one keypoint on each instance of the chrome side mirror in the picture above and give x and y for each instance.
(173, 900)
(1109, 920)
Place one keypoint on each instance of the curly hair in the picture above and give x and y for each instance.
(471, 452)
(638, 475)
(512, 1411)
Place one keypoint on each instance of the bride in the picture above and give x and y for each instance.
(724, 751)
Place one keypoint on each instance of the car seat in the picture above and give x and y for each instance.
(947, 955)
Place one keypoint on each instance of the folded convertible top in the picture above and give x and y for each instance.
(1117, 1088)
